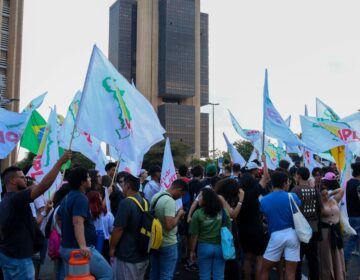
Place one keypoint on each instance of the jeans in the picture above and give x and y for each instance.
(99, 267)
(14, 269)
(310, 250)
(210, 261)
(163, 263)
(350, 244)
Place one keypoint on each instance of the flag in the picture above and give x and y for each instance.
(254, 155)
(132, 166)
(235, 155)
(101, 162)
(309, 161)
(338, 153)
(33, 132)
(272, 156)
(35, 103)
(248, 134)
(316, 137)
(306, 111)
(326, 156)
(288, 121)
(345, 172)
(113, 111)
(48, 155)
(324, 111)
(82, 141)
(273, 124)
(12, 125)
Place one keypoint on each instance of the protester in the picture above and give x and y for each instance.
(195, 185)
(353, 209)
(330, 181)
(163, 262)
(96, 182)
(315, 178)
(143, 180)
(116, 192)
(205, 230)
(311, 209)
(283, 239)
(250, 224)
(237, 172)
(153, 186)
(210, 172)
(332, 262)
(18, 236)
(129, 262)
(227, 172)
(110, 169)
(77, 228)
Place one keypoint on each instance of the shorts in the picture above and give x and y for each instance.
(283, 242)
(253, 242)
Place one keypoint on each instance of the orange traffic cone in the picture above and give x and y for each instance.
(79, 268)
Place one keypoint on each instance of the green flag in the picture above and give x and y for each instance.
(33, 133)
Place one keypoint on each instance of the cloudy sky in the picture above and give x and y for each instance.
(311, 49)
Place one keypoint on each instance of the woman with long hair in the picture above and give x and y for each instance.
(331, 253)
(96, 179)
(103, 222)
(205, 230)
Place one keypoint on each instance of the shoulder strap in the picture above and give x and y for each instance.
(157, 199)
(139, 205)
(223, 217)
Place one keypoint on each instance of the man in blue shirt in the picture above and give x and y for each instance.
(283, 239)
(77, 228)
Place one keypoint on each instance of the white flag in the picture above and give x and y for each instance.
(35, 103)
(309, 160)
(235, 155)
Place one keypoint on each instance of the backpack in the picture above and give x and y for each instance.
(54, 238)
(150, 232)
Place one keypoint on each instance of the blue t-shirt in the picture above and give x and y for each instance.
(75, 204)
(276, 207)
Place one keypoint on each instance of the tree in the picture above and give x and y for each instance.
(245, 148)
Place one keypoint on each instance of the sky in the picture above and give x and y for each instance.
(311, 49)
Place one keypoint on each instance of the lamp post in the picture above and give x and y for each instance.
(213, 124)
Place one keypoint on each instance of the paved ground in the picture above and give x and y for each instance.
(354, 272)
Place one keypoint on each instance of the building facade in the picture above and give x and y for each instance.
(162, 45)
(11, 22)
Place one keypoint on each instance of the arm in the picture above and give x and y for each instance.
(49, 179)
(78, 223)
(114, 240)
(171, 222)
(194, 205)
(193, 241)
(265, 177)
(338, 194)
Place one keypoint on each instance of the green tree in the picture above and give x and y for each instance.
(245, 148)
(26, 163)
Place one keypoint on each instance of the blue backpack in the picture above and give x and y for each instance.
(227, 240)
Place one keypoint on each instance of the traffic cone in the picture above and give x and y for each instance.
(79, 268)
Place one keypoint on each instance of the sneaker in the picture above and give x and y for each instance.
(192, 268)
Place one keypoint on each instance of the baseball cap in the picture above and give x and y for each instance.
(329, 176)
(251, 165)
(211, 168)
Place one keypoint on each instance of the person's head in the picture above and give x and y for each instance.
(284, 164)
(252, 168)
(95, 204)
(197, 171)
(183, 170)
(302, 174)
(211, 170)
(280, 180)
(143, 174)
(131, 185)
(236, 168)
(79, 179)
(155, 172)
(227, 171)
(13, 179)
(178, 188)
(95, 178)
(247, 181)
(120, 178)
(214, 180)
(229, 189)
(297, 164)
(210, 202)
(355, 169)
(110, 169)
(330, 181)
(316, 172)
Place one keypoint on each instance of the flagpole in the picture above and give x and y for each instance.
(116, 169)
(264, 100)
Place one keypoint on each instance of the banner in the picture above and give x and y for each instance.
(235, 155)
(35, 103)
(309, 161)
(128, 165)
(248, 134)
(324, 111)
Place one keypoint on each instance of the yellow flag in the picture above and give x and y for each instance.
(338, 154)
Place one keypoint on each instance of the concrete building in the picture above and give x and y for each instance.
(162, 45)
(11, 22)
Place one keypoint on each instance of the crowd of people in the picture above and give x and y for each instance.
(103, 217)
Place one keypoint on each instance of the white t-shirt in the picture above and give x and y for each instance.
(105, 223)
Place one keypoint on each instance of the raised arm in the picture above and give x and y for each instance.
(265, 177)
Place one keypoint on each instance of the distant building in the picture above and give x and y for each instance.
(162, 45)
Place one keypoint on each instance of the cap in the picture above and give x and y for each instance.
(211, 168)
(251, 165)
(329, 176)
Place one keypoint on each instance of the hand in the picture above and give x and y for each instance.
(263, 158)
(241, 195)
(66, 156)
(188, 219)
(192, 256)
(85, 251)
(49, 205)
(112, 252)
(181, 212)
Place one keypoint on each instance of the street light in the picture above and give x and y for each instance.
(213, 117)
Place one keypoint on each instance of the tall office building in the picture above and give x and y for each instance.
(10, 55)
(162, 45)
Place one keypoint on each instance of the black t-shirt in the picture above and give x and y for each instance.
(16, 225)
(115, 197)
(129, 218)
(249, 218)
(352, 197)
(75, 204)
(195, 186)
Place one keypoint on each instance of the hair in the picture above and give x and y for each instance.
(60, 194)
(327, 169)
(106, 181)
(330, 184)
(257, 162)
(316, 170)
(9, 173)
(133, 182)
(95, 204)
(121, 174)
(227, 169)
(183, 170)
(77, 176)
(180, 184)
(109, 165)
(214, 180)
(284, 164)
(197, 171)
(303, 172)
(278, 179)
(236, 167)
(356, 169)
(93, 175)
(211, 202)
(247, 181)
(229, 189)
